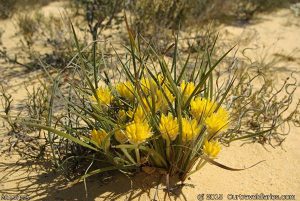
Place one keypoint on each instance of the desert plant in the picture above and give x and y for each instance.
(28, 26)
(6, 105)
(157, 115)
(98, 14)
(25, 140)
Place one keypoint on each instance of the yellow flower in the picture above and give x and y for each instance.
(148, 103)
(145, 85)
(104, 95)
(122, 115)
(186, 90)
(202, 108)
(160, 102)
(138, 114)
(212, 148)
(126, 90)
(161, 78)
(148, 85)
(217, 122)
(120, 136)
(98, 137)
(190, 129)
(168, 127)
(161, 99)
(137, 132)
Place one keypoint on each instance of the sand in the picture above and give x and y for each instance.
(275, 33)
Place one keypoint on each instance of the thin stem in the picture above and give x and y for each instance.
(168, 149)
(138, 157)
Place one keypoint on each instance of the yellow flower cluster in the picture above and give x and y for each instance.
(217, 122)
(163, 96)
(134, 116)
(190, 129)
(211, 148)
(168, 127)
(126, 90)
(120, 136)
(186, 90)
(138, 132)
(98, 136)
(202, 108)
(147, 85)
(138, 115)
(157, 96)
(104, 95)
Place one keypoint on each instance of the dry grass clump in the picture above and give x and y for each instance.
(173, 14)
(42, 39)
(268, 110)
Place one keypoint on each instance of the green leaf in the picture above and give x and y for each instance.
(204, 78)
(183, 70)
(61, 134)
(226, 167)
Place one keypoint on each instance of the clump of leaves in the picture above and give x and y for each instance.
(157, 115)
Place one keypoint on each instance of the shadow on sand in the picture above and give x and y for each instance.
(27, 179)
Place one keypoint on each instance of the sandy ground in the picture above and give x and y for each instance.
(277, 32)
